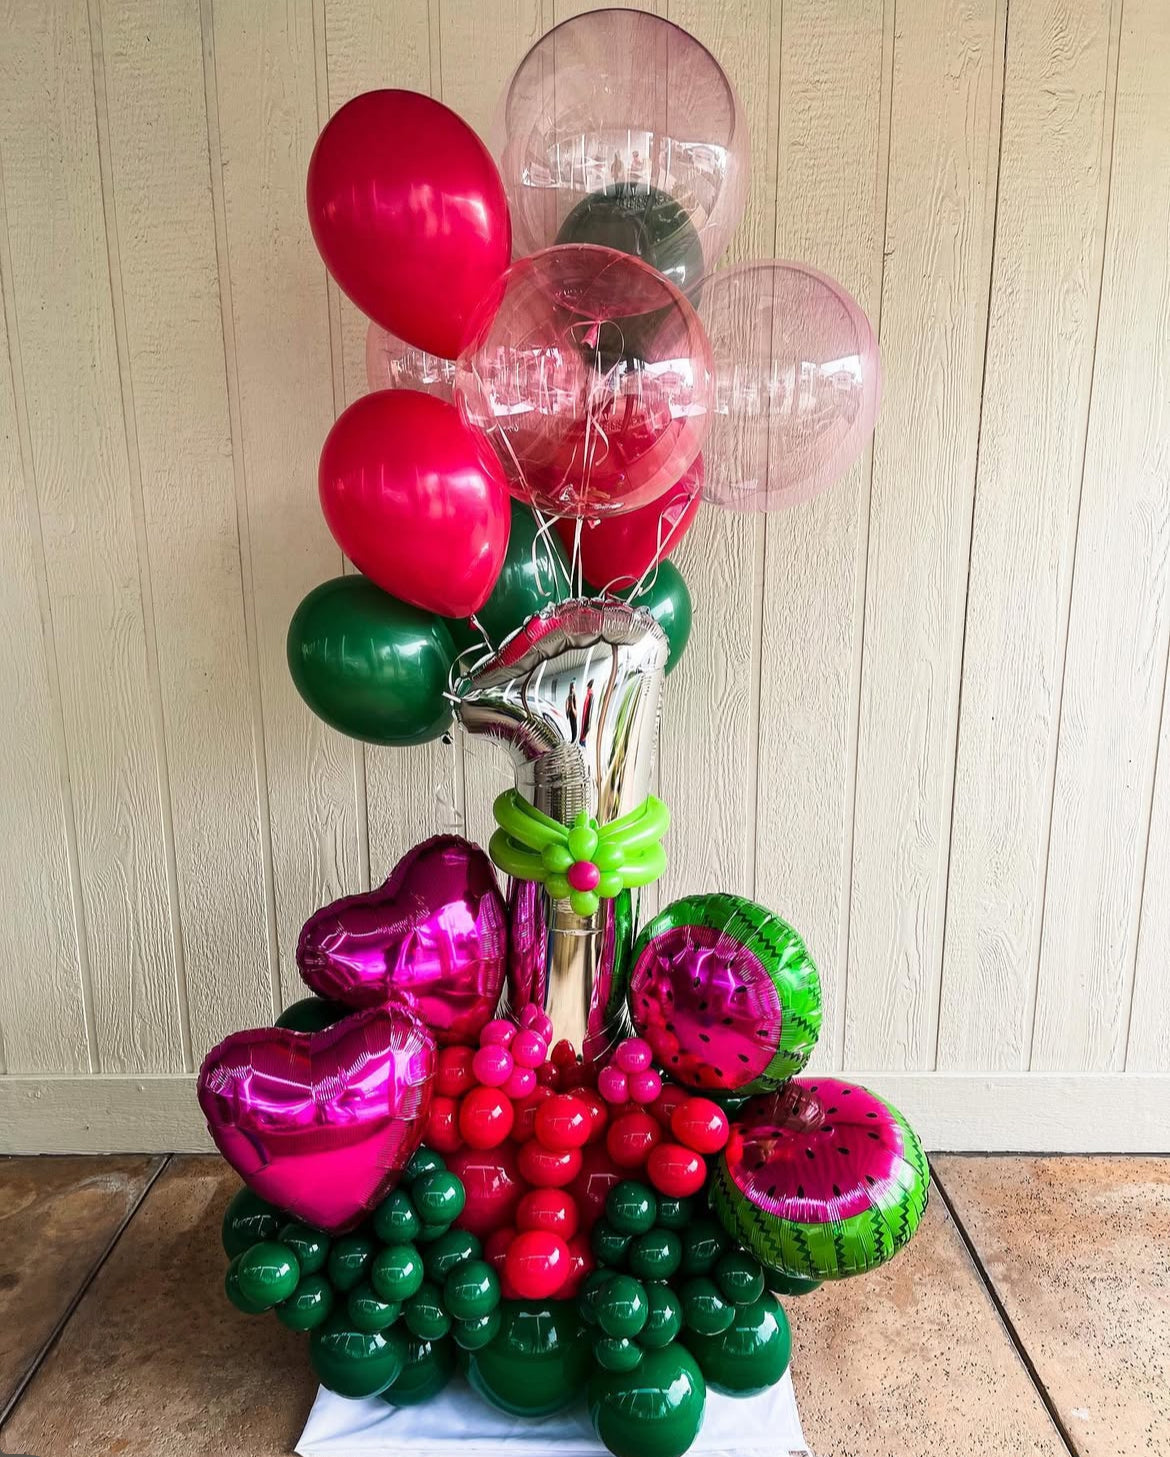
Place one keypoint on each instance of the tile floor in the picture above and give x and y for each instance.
(1030, 1316)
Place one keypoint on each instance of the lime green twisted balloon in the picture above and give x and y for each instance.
(584, 863)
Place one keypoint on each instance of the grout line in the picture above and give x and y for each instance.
(952, 757)
(240, 476)
(36, 532)
(1108, 142)
(81, 1292)
(137, 503)
(1005, 1319)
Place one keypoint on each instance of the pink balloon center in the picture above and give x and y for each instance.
(584, 875)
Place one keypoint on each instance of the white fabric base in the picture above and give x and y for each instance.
(759, 1426)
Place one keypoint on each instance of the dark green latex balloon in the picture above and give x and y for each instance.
(349, 1261)
(740, 1278)
(473, 1335)
(367, 1310)
(675, 1213)
(422, 1161)
(635, 218)
(397, 1272)
(617, 1353)
(425, 1314)
(356, 1363)
(655, 1410)
(309, 1305)
(609, 1245)
(452, 1249)
(655, 1256)
(429, 1366)
(311, 1246)
(539, 1361)
(668, 601)
(396, 1220)
(472, 1290)
(267, 1273)
(438, 1197)
(369, 665)
(704, 1308)
(247, 1220)
(751, 1354)
(231, 1285)
(311, 1014)
(631, 1207)
(665, 1319)
(622, 1306)
(781, 1284)
(703, 1242)
(523, 587)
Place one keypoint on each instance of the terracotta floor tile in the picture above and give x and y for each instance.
(1079, 1252)
(913, 1361)
(57, 1216)
(154, 1362)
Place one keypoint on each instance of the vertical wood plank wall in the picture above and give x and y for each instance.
(922, 717)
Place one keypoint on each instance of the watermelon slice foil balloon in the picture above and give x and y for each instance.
(726, 994)
(821, 1180)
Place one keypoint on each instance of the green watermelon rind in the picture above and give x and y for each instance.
(792, 971)
(833, 1250)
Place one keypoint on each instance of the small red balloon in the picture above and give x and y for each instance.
(443, 1125)
(598, 1111)
(493, 1186)
(564, 1054)
(671, 1097)
(415, 500)
(591, 1187)
(548, 1075)
(547, 1169)
(549, 1209)
(537, 1264)
(524, 1127)
(453, 1075)
(676, 1171)
(630, 1138)
(495, 1247)
(563, 1122)
(581, 1263)
(700, 1124)
(485, 1118)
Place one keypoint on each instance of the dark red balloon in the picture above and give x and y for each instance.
(443, 1125)
(546, 1169)
(495, 1246)
(453, 1075)
(581, 1263)
(630, 1138)
(408, 211)
(700, 1124)
(617, 550)
(667, 1101)
(537, 1264)
(491, 1180)
(562, 1122)
(524, 1127)
(591, 1187)
(676, 1171)
(553, 1210)
(416, 501)
(485, 1118)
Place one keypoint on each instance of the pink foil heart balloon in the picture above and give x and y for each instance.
(321, 1123)
(434, 934)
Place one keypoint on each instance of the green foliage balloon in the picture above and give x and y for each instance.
(369, 665)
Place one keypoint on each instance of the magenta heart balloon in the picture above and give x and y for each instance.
(322, 1123)
(434, 934)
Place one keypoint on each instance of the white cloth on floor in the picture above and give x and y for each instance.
(759, 1426)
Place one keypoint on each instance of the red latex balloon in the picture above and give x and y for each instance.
(617, 550)
(700, 1124)
(408, 211)
(485, 1118)
(581, 1263)
(453, 1075)
(598, 1111)
(562, 1122)
(550, 1209)
(630, 1138)
(546, 1169)
(671, 1097)
(524, 1127)
(443, 1125)
(495, 1246)
(491, 1180)
(676, 1171)
(416, 501)
(591, 376)
(591, 1187)
(537, 1264)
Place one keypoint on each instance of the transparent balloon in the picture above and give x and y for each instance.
(590, 374)
(392, 364)
(797, 384)
(626, 130)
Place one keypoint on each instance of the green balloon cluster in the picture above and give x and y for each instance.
(369, 665)
(535, 573)
(384, 1305)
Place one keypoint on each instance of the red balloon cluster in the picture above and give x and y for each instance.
(538, 1148)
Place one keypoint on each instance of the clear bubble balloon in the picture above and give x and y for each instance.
(797, 384)
(590, 374)
(392, 364)
(623, 122)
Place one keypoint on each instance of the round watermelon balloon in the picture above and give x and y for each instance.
(726, 994)
(821, 1180)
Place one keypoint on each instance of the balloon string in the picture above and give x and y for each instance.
(552, 559)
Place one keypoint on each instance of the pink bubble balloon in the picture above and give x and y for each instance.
(392, 364)
(321, 1123)
(797, 384)
(591, 376)
(615, 98)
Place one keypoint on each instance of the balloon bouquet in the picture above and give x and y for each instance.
(431, 1182)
